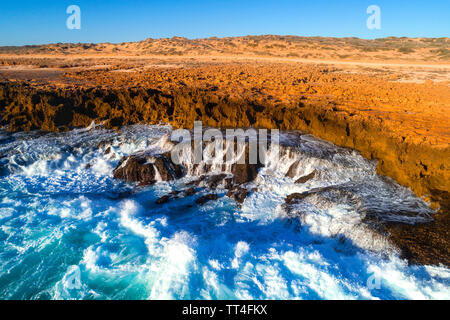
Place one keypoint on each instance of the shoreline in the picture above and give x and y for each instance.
(419, 165)
(404, 126)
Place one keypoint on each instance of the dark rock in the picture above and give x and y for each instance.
(291, 200)
(163, 199)
(88, 166)
(190, 191)
(135, 169)
(213, 181)
(166, 168)
(245, 172)
(144, 168)
(333, 193)
(292, 170)
(103, 144)
(306, 178)
(296, 197)
(203, 199)
(195, 182)
(108, 151)
(238, 194)
(228, 183)
(424, 243)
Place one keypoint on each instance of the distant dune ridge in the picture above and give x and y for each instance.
(392, 48)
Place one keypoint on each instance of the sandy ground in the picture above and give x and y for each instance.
(404, 71)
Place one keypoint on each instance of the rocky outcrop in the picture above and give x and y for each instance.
(191, 191)
(164, 199)
(307, 177)
(422, 242)
(420, 164)
(292, 172)
(243, 171)
(203, 199)
(396, 124)
(238, 194)
(176, 194)
(213, 181)
(147, 169)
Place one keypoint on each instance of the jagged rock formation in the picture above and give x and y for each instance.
(426, 242)
(147, 169)
(421, 166)
(404, 126)
(203, 199)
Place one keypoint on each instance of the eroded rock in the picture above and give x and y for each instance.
(203, 199)
(238, 194)
(191, 191)
(147, 169)
(245, 172)
(163, 199)
(306, 178)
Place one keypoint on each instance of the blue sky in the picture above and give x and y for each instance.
(44, 21)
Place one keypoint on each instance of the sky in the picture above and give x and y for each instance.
(24, 22)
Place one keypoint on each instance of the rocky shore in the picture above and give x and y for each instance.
(420, 235)
(404, 126)
(411, 159)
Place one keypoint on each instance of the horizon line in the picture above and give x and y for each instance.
(227, 37)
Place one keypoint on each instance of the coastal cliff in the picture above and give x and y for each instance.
(404, 126)
(419, 165)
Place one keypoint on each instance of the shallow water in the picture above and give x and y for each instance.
(71, 232)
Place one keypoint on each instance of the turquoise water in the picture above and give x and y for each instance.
(72, 232)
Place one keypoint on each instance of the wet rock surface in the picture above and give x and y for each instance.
(163, 199)
(147, 169)
(176, 194)
(425, 240)
(203, 199)
(238, 194)
(414, 157)
(307, 177)
(191, 191)
(423, 243)
(213, 181)
(243, 173)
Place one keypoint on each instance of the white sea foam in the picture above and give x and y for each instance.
(130, 208)
(56, 212)
(171, 274)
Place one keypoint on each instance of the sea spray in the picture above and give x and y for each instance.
(60, 219)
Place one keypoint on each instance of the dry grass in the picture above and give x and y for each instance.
(417, 49)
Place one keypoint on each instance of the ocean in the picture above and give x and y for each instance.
(69, 230)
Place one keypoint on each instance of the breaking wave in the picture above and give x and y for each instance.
(71, 231)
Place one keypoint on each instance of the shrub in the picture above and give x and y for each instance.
(405, 50)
